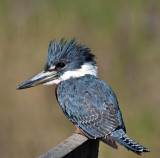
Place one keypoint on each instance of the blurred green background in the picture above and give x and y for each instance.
(124, 35)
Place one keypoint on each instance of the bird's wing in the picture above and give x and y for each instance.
(91, 105)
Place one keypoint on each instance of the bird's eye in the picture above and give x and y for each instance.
(60, 65)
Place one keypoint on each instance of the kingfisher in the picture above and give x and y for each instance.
(87, 101)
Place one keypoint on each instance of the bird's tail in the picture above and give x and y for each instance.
(121, 137)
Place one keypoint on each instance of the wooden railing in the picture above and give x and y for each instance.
(76, 146)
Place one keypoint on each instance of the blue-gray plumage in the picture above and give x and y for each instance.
(91, 105)
(86, 101)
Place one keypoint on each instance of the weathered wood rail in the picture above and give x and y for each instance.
(76, 146)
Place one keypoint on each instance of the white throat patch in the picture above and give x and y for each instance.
(84, 70)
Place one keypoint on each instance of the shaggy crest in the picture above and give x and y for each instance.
(68, 52)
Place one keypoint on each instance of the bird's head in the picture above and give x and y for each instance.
(65, 61)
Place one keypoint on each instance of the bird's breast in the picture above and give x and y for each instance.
(56, 90)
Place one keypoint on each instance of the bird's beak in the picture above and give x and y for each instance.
(41, 78)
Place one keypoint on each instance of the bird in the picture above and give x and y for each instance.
(87, 101)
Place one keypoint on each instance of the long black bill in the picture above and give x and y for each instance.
(41, 78)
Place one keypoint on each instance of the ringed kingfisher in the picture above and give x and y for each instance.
(88, 102)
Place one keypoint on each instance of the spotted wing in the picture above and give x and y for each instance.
(91, 105)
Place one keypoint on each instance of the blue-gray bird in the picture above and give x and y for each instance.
(88, 102)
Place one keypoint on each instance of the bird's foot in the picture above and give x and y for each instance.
(78, 131)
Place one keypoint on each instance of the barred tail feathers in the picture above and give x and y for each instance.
(121, 137)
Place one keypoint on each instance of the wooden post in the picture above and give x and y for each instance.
(76, 146)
